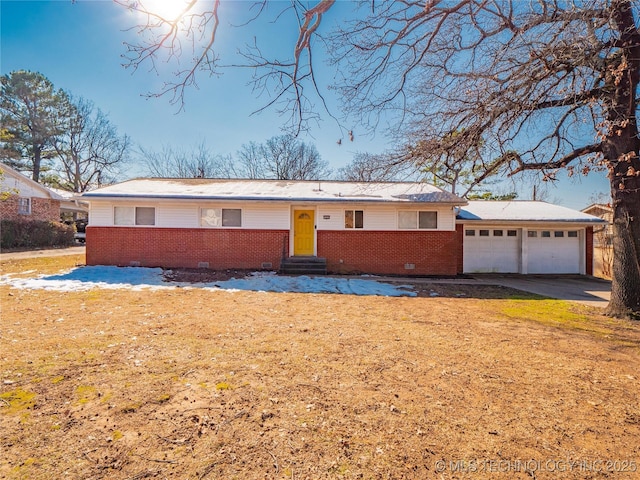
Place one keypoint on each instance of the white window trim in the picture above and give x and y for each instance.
(134, 224)
(200, 222)
(354, 210)
(417, 218)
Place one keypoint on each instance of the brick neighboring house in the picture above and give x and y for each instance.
(26, 200)
(396, 228)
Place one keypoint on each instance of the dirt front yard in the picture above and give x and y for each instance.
(196, 383)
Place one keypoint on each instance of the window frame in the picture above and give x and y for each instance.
(416, 215)
(21, 204)
(134, 216)
(219, 216)
(354, 219)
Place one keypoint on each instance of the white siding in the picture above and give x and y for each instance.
(378, 217)
(335, 220)
(21, 188)
(101, 214)
(277, 217)
(176, 215)
(268, 216)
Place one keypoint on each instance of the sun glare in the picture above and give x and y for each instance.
(167, 9)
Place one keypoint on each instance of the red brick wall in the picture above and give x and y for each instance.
(460, 240)
(589, 250)
(382, 252)
(182, 247)
(432, 253)
(41, 209)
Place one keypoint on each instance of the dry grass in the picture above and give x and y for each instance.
(189, 383)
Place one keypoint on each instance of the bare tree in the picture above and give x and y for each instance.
(388, 167)
(171, 162)
(250, 162)
(547, 85)
(89, 149)
(283, 158)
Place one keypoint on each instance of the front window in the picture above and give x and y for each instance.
(411, 219)
(220, 217)
(353, 219)
(134, 216)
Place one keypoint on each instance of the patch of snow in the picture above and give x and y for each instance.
(138, 278)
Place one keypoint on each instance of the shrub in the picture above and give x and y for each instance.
(16, 234)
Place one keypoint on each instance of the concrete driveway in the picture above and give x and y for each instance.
(577, 288)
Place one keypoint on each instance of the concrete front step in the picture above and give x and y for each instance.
(304, 265)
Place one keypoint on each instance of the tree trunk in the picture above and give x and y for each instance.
(621, 150)
(625, 286)
(37, 159)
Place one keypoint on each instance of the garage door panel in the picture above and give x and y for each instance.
(491, 253)
(551, 254)
(547, 251)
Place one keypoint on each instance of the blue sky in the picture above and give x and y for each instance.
(79, 48)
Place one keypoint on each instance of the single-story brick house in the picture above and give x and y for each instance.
(26, 199)
(396, 228)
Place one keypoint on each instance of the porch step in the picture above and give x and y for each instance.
(304, 265)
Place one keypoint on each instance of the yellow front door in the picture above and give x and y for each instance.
(303, 232)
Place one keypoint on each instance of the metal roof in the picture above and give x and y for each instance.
(522, 211)
(275, 190)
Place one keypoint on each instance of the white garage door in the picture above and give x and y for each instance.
(491, 250)
(553, 251)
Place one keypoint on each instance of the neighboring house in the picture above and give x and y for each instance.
(603, 233)
(26, 199)
(526, 237)
(71, 208)
(380, 228)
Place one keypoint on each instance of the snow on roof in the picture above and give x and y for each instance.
(522, 211)
(276, 190)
